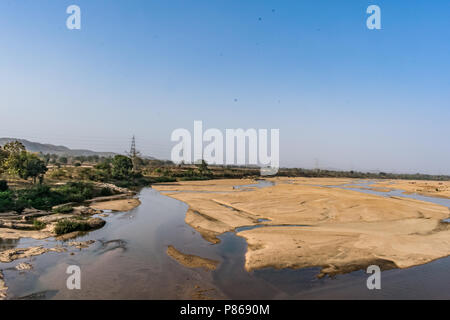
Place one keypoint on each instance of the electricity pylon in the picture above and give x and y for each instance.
(134, 154)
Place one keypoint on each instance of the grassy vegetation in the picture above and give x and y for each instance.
(318, 173)
(67, 226)
(44, 197)
(63, 209)
(38, 225)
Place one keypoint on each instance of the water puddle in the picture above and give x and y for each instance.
(239, 229)
(259, 184)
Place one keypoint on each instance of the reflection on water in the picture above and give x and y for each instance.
(6, 244)
(365, 187)
(129, 261)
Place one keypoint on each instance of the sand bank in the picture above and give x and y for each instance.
(225, 185)
(191, 261)
(426, 188)
(346, 230)
(117, 205)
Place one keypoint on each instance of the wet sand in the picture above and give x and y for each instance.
(191, 261)
(342, 230)
(14, 234)
(21, 253)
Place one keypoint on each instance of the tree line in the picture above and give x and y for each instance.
(17, 161)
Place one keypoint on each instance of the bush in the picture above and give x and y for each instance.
(38, 225)
(104, 192)
(75, 192)
(162, 179)
(63, 209)
(6, 201)
(194, 178)
(58, 174)
(43, 197)
(3, 185)
(40, 197)
(67, 226)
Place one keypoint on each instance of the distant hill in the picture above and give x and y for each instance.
(52, 149)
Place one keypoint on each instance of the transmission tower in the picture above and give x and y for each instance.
(133, 154)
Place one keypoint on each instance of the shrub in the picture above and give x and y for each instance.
(6, 201)
(75, 192)
(38, 225)
(58, 174)
(67, 226)
(104, 192)
(3, 185)
(63, 209)
(162, 179)
(40, 197)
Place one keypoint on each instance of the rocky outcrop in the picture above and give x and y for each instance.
(95, 223)
(82, 244)
(114, 187)
(21, 253)
(24, 266)
(85, 211)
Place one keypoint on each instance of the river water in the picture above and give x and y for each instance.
(129, 261)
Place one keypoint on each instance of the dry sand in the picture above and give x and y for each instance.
(346, 230)
(225, 185)
(427, 188)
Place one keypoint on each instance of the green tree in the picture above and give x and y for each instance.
(14, 147)
(22, 163)
(122, 167)
(33, 168)
(3, 156)
(46, 158)
(203, 168)
(53, 158)
(27, 165)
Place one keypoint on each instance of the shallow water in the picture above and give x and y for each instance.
(129, 261)
(259, 184)
(393, 193)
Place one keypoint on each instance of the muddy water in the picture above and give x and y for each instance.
(129, 261)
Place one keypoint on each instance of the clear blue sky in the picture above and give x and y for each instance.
(347, 96)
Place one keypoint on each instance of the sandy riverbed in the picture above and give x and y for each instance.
(345, 230)
(117, 205)
(191, 261)
(427, 188)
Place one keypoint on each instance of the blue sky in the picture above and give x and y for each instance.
(342, 96)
